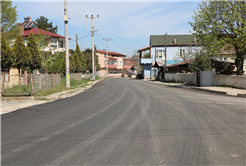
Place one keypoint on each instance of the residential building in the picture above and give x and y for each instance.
(117, 63)
(175, 44)
(55, 42)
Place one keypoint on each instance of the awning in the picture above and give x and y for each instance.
(158, 64)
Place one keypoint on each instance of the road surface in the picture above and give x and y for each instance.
(123, 121)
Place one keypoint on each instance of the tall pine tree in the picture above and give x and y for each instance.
(7, 55)
(35, 58)
(79, 60)
(21, 53)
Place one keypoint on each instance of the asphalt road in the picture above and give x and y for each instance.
(121, 121)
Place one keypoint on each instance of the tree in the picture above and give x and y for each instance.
(7, 55)
(35, 57)
(186, 53)
(9, 28)
(77, 60)
(147, 55)
(222, 25)
(43, 23)
(72, 67)
(201, 62)
(56, 65)
(88, 59)
(21, 54)
(63, 65)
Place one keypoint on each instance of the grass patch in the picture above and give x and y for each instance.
(53, 90)
(73, 85)
(17, 90)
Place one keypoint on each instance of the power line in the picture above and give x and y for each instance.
(80, 38)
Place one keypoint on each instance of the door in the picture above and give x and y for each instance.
(198, 78)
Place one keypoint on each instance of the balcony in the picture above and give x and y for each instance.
(112, 66)
(126, 67)
(145, 60)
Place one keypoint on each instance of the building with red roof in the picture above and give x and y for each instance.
(55, 42)
(117, 62)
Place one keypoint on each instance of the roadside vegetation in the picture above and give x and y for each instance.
(62, 87)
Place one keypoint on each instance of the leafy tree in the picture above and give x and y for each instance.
(186, 53)
(21, 53)
(222, 25)
(35, 58)
(9, 28)
(88, 60)
(201, 62)
(43, 23)
(7, 55)
(71, 65)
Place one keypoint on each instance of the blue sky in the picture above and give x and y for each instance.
(129, 24)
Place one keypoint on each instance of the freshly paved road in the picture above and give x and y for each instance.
(128, 122)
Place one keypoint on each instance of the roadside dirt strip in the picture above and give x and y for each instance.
(9, 104)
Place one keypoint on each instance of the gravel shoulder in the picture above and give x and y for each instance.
(9, 106)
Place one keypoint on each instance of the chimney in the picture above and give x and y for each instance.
(174, 39)
(27, 19)
(21, 29)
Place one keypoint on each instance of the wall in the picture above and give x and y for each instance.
(181, 77)
(231, 80)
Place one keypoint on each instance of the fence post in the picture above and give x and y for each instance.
(52, 81)
(31, 85)
(46, 81)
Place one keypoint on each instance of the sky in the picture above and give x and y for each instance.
(128, 24)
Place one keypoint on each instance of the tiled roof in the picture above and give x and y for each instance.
(110, 53)
(43, 32)
(180, 39)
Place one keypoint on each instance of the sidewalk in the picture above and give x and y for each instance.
(213, 89)
(9, 104)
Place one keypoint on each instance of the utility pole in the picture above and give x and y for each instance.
(92, 34)
(165, 55)
(76, 40)
(66, 45)
(107, 51)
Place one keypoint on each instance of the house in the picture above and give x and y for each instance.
(55, 42)
(117, 63)
(175, 44)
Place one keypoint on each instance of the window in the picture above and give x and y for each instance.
(159, 53)
(182, 52)
(6, 75)
(116, 62)
(121, 62)
(124, 63)
(244, 63)
(225, 59)
(60, 44)
(25, 42)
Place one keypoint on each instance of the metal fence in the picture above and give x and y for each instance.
(45, 81)
(28, 84)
